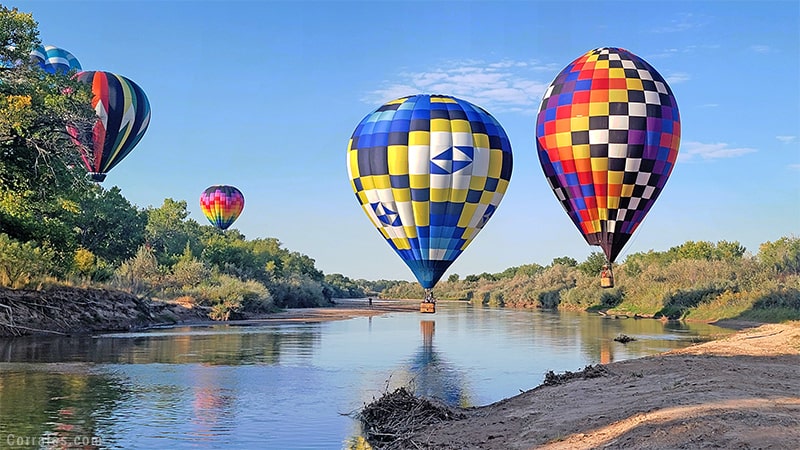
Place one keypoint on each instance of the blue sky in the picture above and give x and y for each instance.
(264, 95)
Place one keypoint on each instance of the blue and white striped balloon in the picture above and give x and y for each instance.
(54, 60)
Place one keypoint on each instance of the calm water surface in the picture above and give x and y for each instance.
(292, 386)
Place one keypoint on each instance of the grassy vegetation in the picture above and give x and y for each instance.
(693, 281)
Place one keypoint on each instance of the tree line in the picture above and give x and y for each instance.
(695, 280)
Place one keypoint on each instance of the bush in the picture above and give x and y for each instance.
(298, 292)
(21, 263)
(230, 297)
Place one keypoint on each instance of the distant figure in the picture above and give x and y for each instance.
(370, 302)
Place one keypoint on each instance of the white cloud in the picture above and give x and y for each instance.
(786, 139)
(498, 86)
(684, 22)
(678, 77)
(692, 150)
(794, 167)
(761, 48)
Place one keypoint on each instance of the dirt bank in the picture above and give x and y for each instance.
(69, 310)
(742, 391)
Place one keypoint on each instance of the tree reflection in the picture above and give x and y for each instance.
(58, 408)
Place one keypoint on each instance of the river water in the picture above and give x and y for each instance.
(293, 386)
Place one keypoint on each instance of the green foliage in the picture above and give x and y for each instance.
(36, 153)
(453, 278)
(22, 262)
(781, 256)
(701, 281)
(564, 261)
(168, 231)
(108, 225)
(341, 286)
(298, 291)
(140, 274)
(229, 297)
(593, 264)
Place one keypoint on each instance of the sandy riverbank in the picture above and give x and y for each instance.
(740, 392)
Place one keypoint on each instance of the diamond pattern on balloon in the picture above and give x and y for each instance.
(452, 160)
(386, 214)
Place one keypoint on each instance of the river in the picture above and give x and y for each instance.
(293, 386)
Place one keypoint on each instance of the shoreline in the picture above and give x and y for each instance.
(739, 391)
(69, 311)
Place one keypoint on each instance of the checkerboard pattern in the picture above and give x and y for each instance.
(429, 171)
(607, 135)
(222, 205)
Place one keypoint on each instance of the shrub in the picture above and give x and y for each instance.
(21, 263)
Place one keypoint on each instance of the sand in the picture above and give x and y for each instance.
(740, 392)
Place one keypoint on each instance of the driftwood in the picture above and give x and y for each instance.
(623, 338)
(591, 371)
(390, 421)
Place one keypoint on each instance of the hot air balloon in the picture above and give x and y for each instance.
(429, 171)
(54, 60)
(123, 113)
(607, 135)
(222, 204)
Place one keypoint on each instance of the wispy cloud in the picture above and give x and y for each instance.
(694, 150)
(786, 139)
(683, 22)
(497, 86)
(678, 77)
(761, 48)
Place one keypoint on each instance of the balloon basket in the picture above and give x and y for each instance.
(427, 307)
(607, 281)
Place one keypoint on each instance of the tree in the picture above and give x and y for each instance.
(168, 231)
(38, 154)
(564, 261)
(529, 269)
(453, 278)
(108, 225)
(782, 256)
(40, 165)
(729, 251)
(593, 265)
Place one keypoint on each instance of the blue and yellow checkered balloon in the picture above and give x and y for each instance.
(429, 171)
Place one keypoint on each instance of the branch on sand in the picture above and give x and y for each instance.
(390, 421)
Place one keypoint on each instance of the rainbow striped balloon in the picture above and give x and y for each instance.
(222, 204)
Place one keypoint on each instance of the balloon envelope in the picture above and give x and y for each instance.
(123, 113)
(429, 171)
(222, 205)
(54, 60)
(607, 135)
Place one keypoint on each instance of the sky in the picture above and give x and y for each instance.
(264, 95)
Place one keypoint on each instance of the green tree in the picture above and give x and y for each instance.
(564, 261)
(38, 154)
(109, 225)
(729, 251)
(781, 256)
(168, 231)
(40, 165)
(593, 264)
(453, 278)
(529, 269)
(22, 261)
